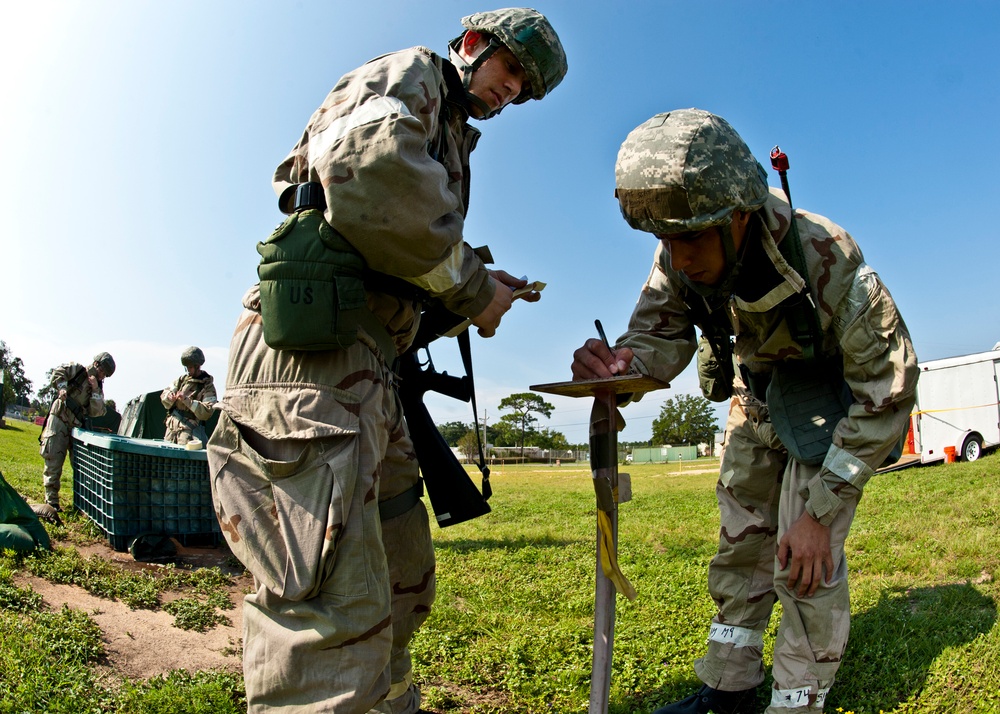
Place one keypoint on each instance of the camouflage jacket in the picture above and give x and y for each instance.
(859, 322)
(200, 389)
(391, 145)
(73, 378)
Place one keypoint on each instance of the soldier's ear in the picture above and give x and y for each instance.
(473, 43)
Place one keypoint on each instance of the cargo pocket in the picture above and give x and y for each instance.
(282, 519)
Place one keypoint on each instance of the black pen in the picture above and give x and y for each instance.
(604, 338)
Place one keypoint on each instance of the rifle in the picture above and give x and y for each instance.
(454, 497)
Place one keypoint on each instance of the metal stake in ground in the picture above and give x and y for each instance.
(611, 488)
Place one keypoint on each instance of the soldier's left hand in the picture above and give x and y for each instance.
(805, 547)
(514, 283)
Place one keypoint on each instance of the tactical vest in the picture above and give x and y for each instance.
(312, 289)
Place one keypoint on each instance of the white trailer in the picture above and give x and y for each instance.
(958, 405)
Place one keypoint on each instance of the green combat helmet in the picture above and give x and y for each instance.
(529, 36)
(688, 170)
(106, 362)
(192, 357)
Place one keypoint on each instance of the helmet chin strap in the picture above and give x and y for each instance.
(467, 69)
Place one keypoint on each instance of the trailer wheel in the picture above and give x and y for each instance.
(972, 449)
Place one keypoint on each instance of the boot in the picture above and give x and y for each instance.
(713, 700)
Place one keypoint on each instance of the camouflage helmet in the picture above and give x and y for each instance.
(106, 362)
(686, 170)
(530, 37)
(192, 357)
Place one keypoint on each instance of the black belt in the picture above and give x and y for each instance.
(401, 503)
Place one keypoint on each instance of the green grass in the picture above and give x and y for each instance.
(512, 627)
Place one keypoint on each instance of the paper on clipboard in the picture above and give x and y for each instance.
(536, 286)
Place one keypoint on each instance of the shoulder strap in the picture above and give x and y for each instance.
(800, 312)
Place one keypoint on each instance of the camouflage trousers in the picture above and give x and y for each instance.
(179, 432)
(302, 515)
(760, 495)
(409, 552)
(56, 439)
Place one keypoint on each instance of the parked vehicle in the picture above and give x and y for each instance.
(958, 407)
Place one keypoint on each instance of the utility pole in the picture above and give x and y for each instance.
(485, 419)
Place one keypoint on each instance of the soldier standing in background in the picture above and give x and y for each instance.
(80, 394)
(314, 476)
(789, 485)
(189, 401)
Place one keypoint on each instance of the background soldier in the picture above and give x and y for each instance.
(313, 472)
(189, 401)
(80, 395)
(725, 263)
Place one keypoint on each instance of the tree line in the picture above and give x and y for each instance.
(683, 419)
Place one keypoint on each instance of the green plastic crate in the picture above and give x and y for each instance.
(131, 487)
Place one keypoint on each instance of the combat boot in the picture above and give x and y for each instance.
(713, 700)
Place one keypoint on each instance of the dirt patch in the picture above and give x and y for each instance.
(140, 644)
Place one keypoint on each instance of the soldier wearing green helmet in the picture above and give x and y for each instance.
(806, 343)
(79, 395)
(314, 475)
(189, 401)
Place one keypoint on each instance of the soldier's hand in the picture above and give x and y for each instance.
(62, 394)
(805, 547)
(93, 382)
(489, 319)
(514, 283)
(595, 361)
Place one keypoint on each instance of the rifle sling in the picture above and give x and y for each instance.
(466, 348)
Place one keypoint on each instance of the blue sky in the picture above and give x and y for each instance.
(140, 137)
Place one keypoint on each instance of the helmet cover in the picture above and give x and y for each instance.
(530, 37)
(686, 170)
(193, 357)
(106, 362)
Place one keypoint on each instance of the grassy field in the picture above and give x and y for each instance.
(512, 628)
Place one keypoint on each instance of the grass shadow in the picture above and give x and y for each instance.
(894, 644)
(891, 650)
(467, 545)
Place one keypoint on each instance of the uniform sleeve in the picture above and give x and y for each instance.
(370, 145)
(61, 375)
(165, 398)
(204, 405)
(660, 333)
(880, 366)
(95, 405)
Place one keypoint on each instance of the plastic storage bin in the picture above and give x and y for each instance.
(131, 487)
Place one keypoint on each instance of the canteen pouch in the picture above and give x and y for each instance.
(805, 402)
(312, 293)
(715, 384)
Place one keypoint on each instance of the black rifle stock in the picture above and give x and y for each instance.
(454, 497)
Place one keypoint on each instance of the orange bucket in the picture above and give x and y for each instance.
(949, 454)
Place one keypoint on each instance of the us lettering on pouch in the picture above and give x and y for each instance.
(298, 295)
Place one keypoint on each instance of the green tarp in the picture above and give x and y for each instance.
(20, 528)
(144, 417)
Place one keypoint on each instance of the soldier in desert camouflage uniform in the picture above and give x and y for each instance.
(79, 395)
(189, 401)
(313, 472)
(687, 177)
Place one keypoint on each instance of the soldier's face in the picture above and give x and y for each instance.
(700, 255)
(498, 81)
(192, 369)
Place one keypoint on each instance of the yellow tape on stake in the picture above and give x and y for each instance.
(609, 560)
